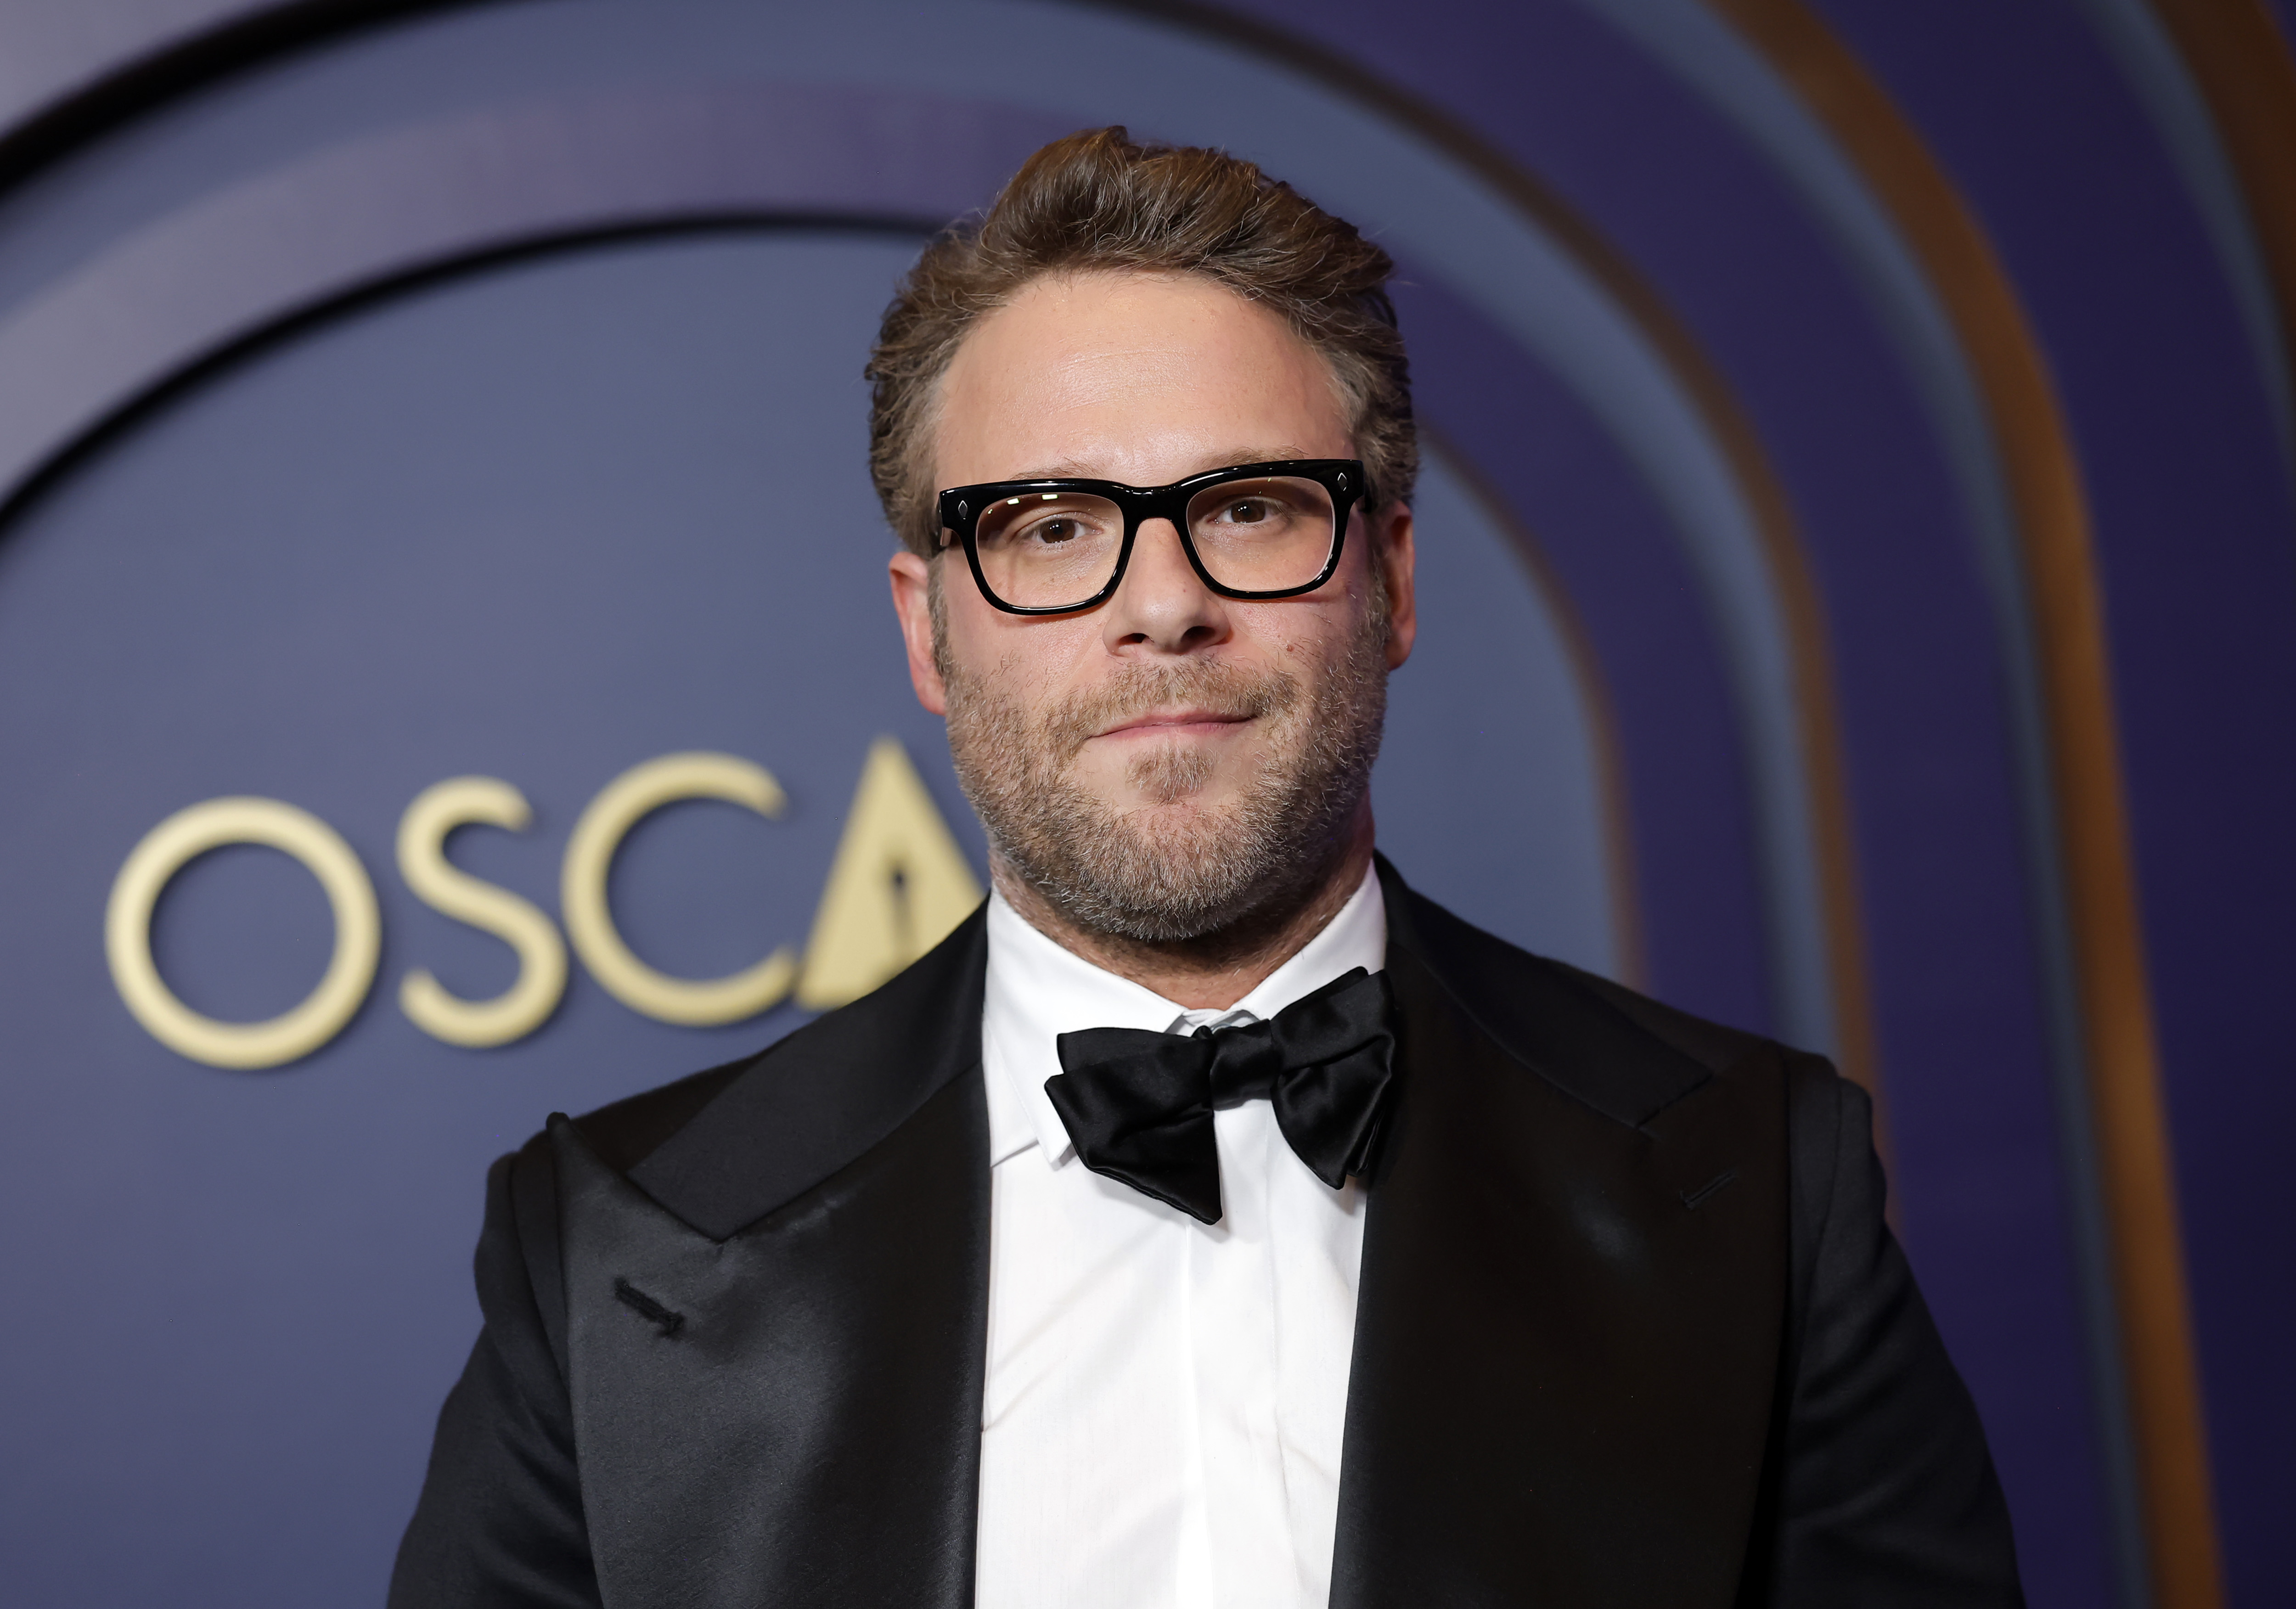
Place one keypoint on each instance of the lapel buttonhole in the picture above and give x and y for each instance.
(662, 1318)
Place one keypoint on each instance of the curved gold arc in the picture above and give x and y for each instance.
(1817, 723)
(2091, 814)
(2240, 59)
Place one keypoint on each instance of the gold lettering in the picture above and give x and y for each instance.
(897, 887)
(608, 818)
(443, 886)
(174, 844)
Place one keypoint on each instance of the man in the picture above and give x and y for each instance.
(1209, 1219)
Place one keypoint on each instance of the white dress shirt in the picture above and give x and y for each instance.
(1165, 1398)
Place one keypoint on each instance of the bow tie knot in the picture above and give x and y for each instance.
(1139, 1104)
(1244, 1061)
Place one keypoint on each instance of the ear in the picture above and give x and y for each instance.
(1393, 552)
(912, 579)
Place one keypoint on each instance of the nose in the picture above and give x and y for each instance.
(1162, 605)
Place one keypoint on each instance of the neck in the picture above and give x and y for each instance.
(1213, 971)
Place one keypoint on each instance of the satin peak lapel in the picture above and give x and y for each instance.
(1572, 1293)
(777, 1320)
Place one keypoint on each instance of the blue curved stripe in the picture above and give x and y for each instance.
(1717, 63)
(2148, 59)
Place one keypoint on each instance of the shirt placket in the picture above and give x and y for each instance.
(1232, 1337)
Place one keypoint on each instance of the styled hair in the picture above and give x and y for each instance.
(1102, 201)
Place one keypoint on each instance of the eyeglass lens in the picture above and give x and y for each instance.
(1044, 550)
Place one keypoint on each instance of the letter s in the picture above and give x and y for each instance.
(523, 1007)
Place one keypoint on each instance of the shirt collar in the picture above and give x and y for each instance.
(1037, 990)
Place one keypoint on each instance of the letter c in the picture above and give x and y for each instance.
(192, 833)
(445, 887)
(607, 819)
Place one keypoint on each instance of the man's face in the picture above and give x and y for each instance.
(1170, 763)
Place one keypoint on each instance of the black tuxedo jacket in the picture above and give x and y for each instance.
(1630, 1330)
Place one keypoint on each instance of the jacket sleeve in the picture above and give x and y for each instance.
(1881, 1491)
(499, 1523)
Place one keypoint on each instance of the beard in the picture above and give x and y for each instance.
(1167, 870)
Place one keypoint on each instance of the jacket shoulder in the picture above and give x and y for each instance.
(724, 1147)
(1711, 1044)
(1618, 1051)
(626, 1132)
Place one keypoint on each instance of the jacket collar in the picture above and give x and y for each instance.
(777, 1317)
(814, 1103)
(1567, 1326)
(1551, 1018)
(811, 1103)
(1566, 1333)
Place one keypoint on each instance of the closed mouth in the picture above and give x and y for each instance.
(1176, 723)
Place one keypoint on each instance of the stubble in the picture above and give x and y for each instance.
(1169, 869)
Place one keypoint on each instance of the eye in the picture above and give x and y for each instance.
(1248, 511)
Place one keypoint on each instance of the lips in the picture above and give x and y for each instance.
(1188, 702)
(1174, 721)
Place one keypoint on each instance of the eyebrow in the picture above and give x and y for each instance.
(1250, 455)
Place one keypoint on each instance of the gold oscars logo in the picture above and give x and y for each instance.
(897, 885)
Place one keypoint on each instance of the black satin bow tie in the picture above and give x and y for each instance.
(1139, 1104)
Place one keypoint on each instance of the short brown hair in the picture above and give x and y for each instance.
(1102, 200)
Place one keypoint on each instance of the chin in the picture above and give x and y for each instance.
(1164, 814)
(1180, 777)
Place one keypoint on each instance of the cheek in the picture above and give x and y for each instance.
(1028, 663)
(1303, 638)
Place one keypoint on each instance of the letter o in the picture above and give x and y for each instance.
(604, 822)
(181, 839)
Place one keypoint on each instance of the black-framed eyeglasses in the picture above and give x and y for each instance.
(1251, 530)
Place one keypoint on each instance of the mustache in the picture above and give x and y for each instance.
(1228, 691)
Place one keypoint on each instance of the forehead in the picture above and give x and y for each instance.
(1136, 377)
